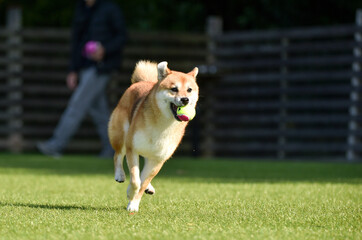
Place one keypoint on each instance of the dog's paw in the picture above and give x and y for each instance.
(133, 206)
(120, 176)
(150, 189)
(120, 179)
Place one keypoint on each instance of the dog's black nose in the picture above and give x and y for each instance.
(184, 101)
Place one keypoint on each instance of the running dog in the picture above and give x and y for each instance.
(145, 123)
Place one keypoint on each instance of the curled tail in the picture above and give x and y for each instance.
(145, 71)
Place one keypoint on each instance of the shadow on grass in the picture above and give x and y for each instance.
(190, 169)
(58, 206)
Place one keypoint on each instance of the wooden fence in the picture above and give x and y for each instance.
(287, 94)
(266, 94)
(33, 94)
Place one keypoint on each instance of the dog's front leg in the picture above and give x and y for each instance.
(135, 181)
(149, 171)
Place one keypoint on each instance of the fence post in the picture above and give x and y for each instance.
(213, 29)
(14, 81)
(283, 100)
(354, 95)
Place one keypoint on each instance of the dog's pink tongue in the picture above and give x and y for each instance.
(183, 117)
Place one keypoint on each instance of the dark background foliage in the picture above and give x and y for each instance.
(190, 15)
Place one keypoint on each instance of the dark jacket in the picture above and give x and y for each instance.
(103, 22)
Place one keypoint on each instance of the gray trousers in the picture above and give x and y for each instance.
(89, 97)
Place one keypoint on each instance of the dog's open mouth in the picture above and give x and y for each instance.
(174, 111)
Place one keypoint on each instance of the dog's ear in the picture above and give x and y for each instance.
(163, 70)
(194, 72)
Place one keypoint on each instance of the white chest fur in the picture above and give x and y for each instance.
(156, 143)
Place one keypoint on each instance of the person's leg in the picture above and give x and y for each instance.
(100, 114)
(89, 88)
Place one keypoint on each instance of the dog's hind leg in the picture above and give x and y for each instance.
(119, 174)
(150, 189)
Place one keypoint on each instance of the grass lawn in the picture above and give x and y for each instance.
(76, 197)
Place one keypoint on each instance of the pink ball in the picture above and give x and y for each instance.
(90, 47)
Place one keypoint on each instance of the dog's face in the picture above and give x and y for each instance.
(176, 89)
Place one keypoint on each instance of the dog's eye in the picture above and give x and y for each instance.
(174, 89)
(189, 90)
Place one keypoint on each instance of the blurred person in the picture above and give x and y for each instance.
(98, 36)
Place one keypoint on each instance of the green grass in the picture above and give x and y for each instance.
(77, 198)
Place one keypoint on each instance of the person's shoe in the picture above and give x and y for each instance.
(46, 150)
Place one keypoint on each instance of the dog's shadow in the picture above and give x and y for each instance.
(58, 206)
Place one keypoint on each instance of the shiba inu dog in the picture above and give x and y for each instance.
(145, 123)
